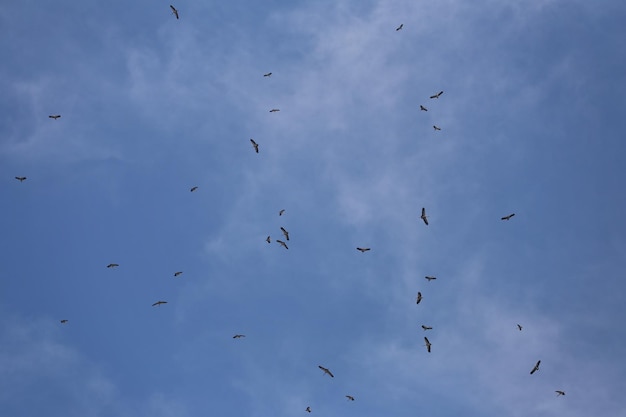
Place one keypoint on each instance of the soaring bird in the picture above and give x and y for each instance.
(283, 244)
(424, 216)
(64, 321)
(559, 393)
(363, 249)
(437, 95)
(158, 303)
(174, 11)
(274, 110)
(427, 344)
(350, 397)
(427, 327)
(419, 298)
(112, 265)
(308, 409)
(519, 326)
(255, 145)
(508, 217)
(428, 277)
(400, 27)
(535, 368)
(268, 240)
(422, 108)
(280, 213)
(20, 179)
(285, 232)
(54, 116)
(177, 273)
(239, 336)
(269, 74)
(326, 371)
(193, 189)
(436, 127)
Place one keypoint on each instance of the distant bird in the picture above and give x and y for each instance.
(283, 244)
(268, 240)
(519, 326)
(427, 344)
(158, 303)
(177, 273)
(274, 110)
(193, 189)
(20, 179)
(280, 213)
(308, 409)
(363, 249)
(422, 108)
(255, 145)
(427, 327)
(54, 116)
(239, 336)
(437, 95)
(269, 74)
(326, 371)
(535, 368)
(436, 127)
(350, 397)
(285, 232)
(559, 393)
(419, 298)
(424, 216)
(112, 265)
(428, 277)
(64, 321)
(508, 217)
(174, 11)
(400, 27)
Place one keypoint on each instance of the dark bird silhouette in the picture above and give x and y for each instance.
(283, 244)
(430, 278)
(64, 321)
(274, 110)
(422, 108)
(427, 327)
(559, 393)
(535, 368)
(326, 371)
(239, 336)
(177, 273)
(54, 116)
(193, 189)
(268, 240)
(308, 409)
(20, 179)
(285, 232)
(436, 127)
(158, 303)
(269, 74)
(427, 344)
(255, 145)
(112, 265)
(424, 216)
(350, 397)
(508, 217)
(437, 95)
(363, 249)
(400, 27)
(419, 298)
(519, 326)
(280, 213)
(174, 11)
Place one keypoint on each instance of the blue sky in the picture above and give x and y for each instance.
(531, 123)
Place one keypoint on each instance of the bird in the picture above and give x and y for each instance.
(559, 393)
(283, 244)
(424, 216)
(427, 344)
(326, 371)
(429, 278)
(64, 321)
(535, 368)
(280, 213)
(274, 110)
(507, 217)
(519, 326)
(177, 273)
(20, 179)
(400, 27)
(427, 327)
(437, 95)
(350, 397)
(422, 108)
(239, 336)
(174, 11)
(112, 265)
(268, 240)
(436, 127)
(285, 232)
(54, 116)
(269, 74)
(255, 145)
(363, 250)
(308, 409)
(419, 298)
(158, 303)
(193, 189)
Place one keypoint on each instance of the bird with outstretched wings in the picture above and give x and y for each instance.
(427, 344)
(54, 116)
(178, 273)
(422, 108)
(326, 371)
(280, 213)
(559, 393)
(174, 11)
(274, 110)
(285, 232)
(400, 27)
(281, 243)
(419, 298)
(535, 368)
(113, 265)
(508, 217)
(20, 179)
(193, 189)
(437, 95)
(429, 278)
(268, 239)
(350, 397)
(519, 326)
(424, 216)
(158, 303)
(436, 127)
(64, 321)
(269, 74)
(255, 145)
(239, 336)
(426, 327)
(363, 250)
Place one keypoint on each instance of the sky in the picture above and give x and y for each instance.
(532, 123)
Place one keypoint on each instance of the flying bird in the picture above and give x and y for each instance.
(400, 27)
(283, 244)
(177, 273)
(363, 250)
(437, 95)
(427, 344)
(20, 179)
(54, 116)
(427, 327)
(286, 233)
(519, 326)
(508, 217)
(419, 298)
(255, 145)
(350, 397)
(535, 368)
(422, 108)
(193, 189)
(308, 409)
(428, 277)
(559, 393)
(158, 303)
(280, 213)
(64, 321)
(436, 127)
(239, 336)
(424, 216)
(112, 265)
(274, 110)
(326, 371)
(174, 11)
(269, 74)
(268, 240)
